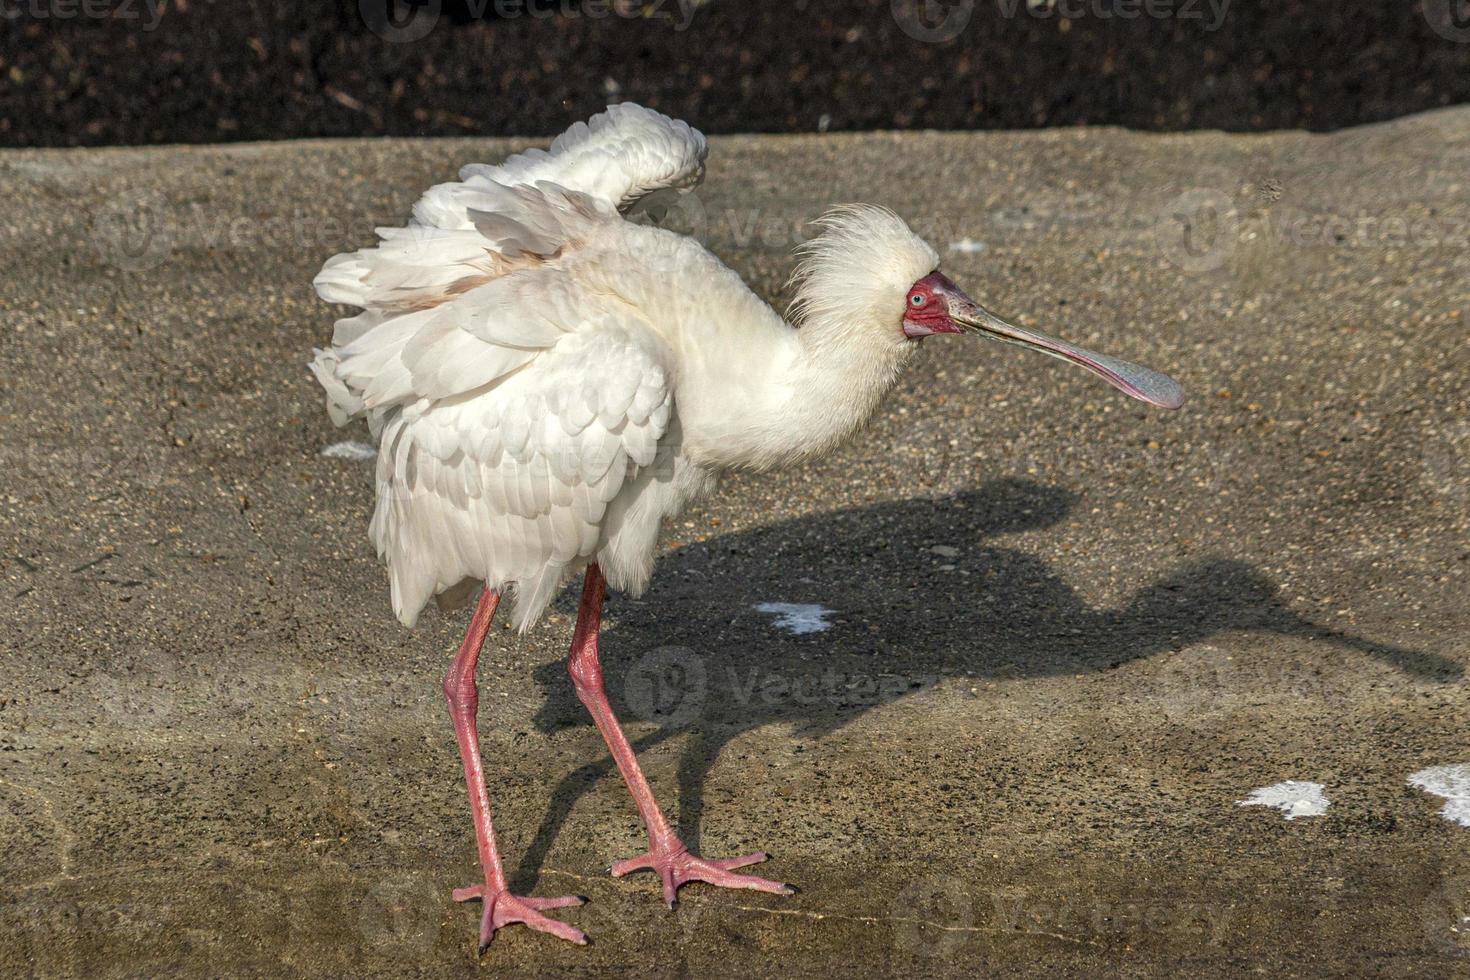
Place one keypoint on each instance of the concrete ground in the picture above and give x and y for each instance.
(1067, 633)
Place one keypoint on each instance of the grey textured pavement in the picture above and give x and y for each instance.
(1067, 633)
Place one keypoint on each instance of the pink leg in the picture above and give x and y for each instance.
(666, 854)
(501, 907)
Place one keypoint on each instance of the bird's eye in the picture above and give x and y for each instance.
(917, 299)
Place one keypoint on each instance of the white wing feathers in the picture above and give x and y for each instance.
(617, 156)
(504, 229)
(522, 207)
(512, 484)
(511, 402)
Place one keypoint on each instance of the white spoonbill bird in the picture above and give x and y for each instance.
(548, 382)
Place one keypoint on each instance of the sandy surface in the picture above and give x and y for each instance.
(1067, 634)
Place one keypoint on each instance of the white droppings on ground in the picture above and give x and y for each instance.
(967, 246)
(359, 451)
(1293, 798)
(798, 617)
(1451, 782)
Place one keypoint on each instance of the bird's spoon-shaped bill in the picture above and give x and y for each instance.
(1143, 383)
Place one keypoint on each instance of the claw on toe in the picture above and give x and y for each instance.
(503, 909)
(677, 867)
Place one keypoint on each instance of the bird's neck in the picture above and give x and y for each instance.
(784, 394)
(843, 375)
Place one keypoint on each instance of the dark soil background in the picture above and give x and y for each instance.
(88, 72)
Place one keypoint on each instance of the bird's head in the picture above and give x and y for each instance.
(868, 270)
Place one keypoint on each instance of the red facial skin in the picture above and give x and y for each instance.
(927, 306)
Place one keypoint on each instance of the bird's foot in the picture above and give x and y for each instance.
(502, 909)
(676, 866)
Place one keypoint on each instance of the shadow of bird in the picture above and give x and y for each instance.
(905, 619)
